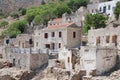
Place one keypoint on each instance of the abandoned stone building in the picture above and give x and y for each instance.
(108, 36)
(103, 47)
(99, 56)
(57, 35)
(69, 59)
(28, 61)
(88, 60)
(97, 60)
(76, 17)
(21, 41)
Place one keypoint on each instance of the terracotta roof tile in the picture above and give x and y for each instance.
(60, 25)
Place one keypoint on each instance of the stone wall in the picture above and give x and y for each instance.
(99, 36)
(25, 60)
(106, 59)
(66, 56)
(21, 41)
(101, 59)
(73, 42)
(36, 60)
(76, 17)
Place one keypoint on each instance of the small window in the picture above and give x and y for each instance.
(19, 43)
(68, 59)
(104, 9)
(59, 45)
(47, 46)
(107, 39)
(109, 7)
(114, 39)
(53, 34)
(60, 34)
(74, 34)
(52, 46)
(23, 46)
(46, 35)
(37, 44)
(100, 9)
(98, 40)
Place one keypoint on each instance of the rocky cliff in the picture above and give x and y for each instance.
(7, 6)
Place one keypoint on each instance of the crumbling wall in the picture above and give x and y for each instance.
(97, 60)
(106, 59)
(37, 60)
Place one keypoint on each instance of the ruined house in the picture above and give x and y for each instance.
(26, 60)
(21, 41)
(70, 58)
(76, 17)
(97, 60)
(108, 36)
(99, 56)
(103, 47)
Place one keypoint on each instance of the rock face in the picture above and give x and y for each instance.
(15, 74)
(4, 64)
(114, 76)
(7, 6)
(6, 77)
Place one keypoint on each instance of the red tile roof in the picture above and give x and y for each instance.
(57, 19)
(60, 25)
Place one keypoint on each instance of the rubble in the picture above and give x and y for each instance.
(4, 63)
(115, 75)
(15, 74)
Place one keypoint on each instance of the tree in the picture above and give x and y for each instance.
(117, 10)
(94, 20)
(3, 23)
(22, 11)
(31, 13)
(15, 28)
(76, 4)
(14, 15)
(61, 9)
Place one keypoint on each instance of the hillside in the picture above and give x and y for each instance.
(7, 6)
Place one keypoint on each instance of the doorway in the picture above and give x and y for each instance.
(53, 46)
(13, 62)
(104, 9)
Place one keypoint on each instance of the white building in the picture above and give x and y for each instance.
(107, 7)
